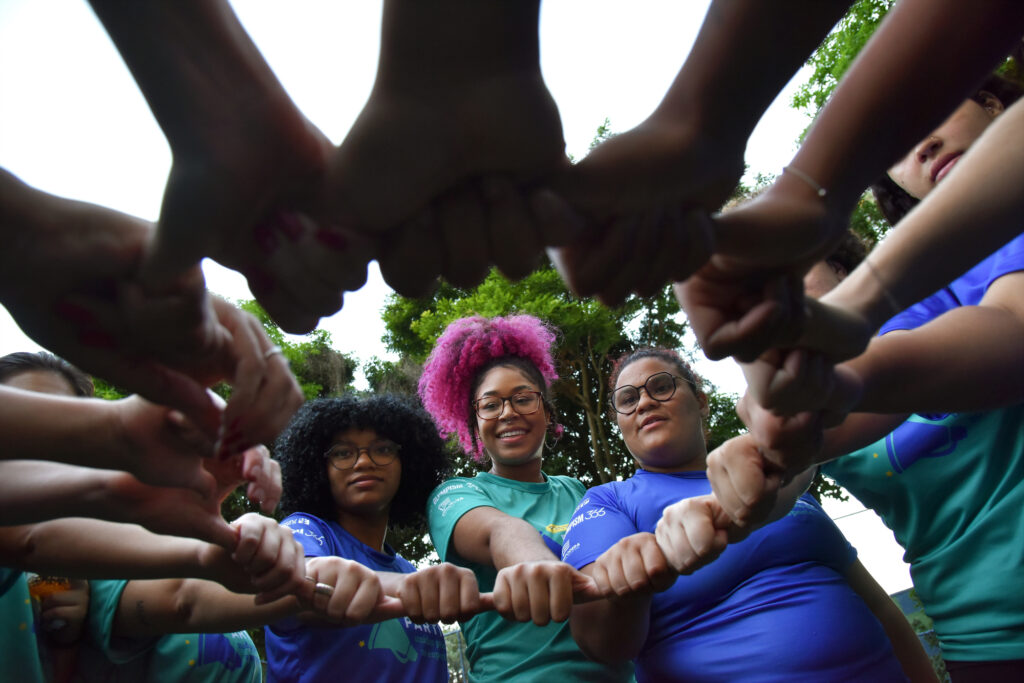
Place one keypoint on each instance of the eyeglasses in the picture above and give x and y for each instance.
(661, 386)
(524, 403)
(345, 456)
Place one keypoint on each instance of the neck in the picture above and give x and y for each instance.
(529, 472)
(369, 530)
(675, 463)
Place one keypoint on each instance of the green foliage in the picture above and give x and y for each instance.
(107, 391)
(590, 336)
(835, 54)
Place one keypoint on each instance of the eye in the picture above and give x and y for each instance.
(660, 384)
(626, 397)
(523, 399)
(488, 404)
(385, 449)
(342, 453)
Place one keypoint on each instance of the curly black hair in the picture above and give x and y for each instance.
(301, 447)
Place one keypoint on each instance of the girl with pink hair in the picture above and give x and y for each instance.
(487, 381)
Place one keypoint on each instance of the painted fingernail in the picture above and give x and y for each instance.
(331, 238)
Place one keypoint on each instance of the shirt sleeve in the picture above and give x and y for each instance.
(598, 523)
(447, 504)
(311, 533)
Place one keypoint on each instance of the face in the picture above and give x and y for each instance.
(365, 490)
(41, 382)
(927, 164)
(510, 439)
(665, 436)
(822, 278)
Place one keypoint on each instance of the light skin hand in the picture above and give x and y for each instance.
(442, 592)
(789, 382)
(271, 556)
(541, 591)
(358, 597)
(635, 564)
(692, 533)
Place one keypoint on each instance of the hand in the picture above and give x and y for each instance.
(741, 311)
(172, 511)
(745, 484)
(791, 444)
(62, 614)
(635, 564)
(357, 598)
(541, 591)
(692, 533)
(789, 382)
(442, 592)
(271, 557)
(255, 468)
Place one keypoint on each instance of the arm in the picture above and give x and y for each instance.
(532, 583)
(630, 572)
(905, 643)
(980, 370)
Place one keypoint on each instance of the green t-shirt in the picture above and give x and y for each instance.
(175, 657)
(19, 652)
(951, 488)
(504, 650)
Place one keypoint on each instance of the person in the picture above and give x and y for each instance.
(940, 457)
(750, 607)
(353, 468)
(487, 381)
(75, 616)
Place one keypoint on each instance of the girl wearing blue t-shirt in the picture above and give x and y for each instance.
(351, 468)
(790, 602)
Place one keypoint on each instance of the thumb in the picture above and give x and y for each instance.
(585, 588)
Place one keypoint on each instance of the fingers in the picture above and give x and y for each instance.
(264, 477)
(540, 592)
(688, 536)
(513, 239)
(744, 484)
(463, 227)
(412, 257)
(440, 593)
(635, 564)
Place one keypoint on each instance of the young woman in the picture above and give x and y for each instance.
(353, 467)
(487, 382)
(790, 602)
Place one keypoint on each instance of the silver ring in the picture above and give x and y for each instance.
(271, 351)
(324, 589)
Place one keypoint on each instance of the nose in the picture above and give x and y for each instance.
(645, 400)
(506, 404)
(928, 148)
(363, 459)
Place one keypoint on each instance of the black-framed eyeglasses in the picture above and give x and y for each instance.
(661, 386)
(344, 456)
(523, 402)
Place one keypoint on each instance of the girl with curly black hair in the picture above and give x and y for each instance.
(351, 467)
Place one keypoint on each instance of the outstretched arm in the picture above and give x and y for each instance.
(532, 583)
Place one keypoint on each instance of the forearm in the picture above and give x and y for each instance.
(905, 643)
(195, 64)
(156, 607)
(766, 41)
(611, 630)
(975, 211)
(89, 548)
(969, 359)
(920, 63)
(33, 491)
(515, 541)
(857, 431)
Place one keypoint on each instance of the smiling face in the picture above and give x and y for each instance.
(663, 436)
(511, 440)
(365, 490)
(927, 164)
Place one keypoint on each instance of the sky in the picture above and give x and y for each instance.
(73, 123)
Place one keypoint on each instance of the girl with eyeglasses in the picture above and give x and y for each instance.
(487, 381)
(351, 469)
(789, 602)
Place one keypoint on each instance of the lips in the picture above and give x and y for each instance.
(651, 419)
(943, 165)
(365, 480)
(512, 433)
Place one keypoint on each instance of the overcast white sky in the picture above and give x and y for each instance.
(73, 123)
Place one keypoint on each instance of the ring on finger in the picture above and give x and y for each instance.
(272, 351)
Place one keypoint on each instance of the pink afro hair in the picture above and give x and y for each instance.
(465, 346)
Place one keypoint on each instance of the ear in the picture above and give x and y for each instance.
(990, 103)
(705, 409)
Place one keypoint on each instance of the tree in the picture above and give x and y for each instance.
(590, 336)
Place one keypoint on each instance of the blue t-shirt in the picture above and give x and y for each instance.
(393, 650)
(951, 487)
(774, 607)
